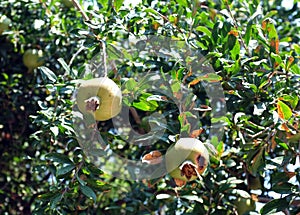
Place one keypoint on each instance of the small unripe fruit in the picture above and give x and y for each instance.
(244, 205)
(187, 159)
(4, 23)
(33, 58)
(101, 97)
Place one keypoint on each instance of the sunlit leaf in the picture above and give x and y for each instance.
(118, 4)
(48, 75)
(284, 111)
(204, 30)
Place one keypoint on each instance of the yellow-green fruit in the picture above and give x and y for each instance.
(244, 205)
(33, 58)
(67, 3)
(100, 96)
(187, 159)
(4, 23)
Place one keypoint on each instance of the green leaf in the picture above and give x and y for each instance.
(249, 25)
(182, 3)
(67, 69)
(204, 30)
(47, 196)
(271, 13)
(220, 147)
(64, 170)
(55, 199)
(283, 188)
(118, 4)
(82, 182)
(145, 105)
(59, 158)
(256, 160)
(296, 47)
(186, 128)
(235, 51)
(277, 59)
(175, 86)
(283, 110)
(210, 77)
(295, 69)
(86, 190)
(48, 75)
(275, 205)
(270, 28)
(292, 99)
(231, 41)
(151, 10)
(130, 84)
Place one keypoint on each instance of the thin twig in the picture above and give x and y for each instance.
(236, 27)
(194, 12)
(84, 15)
(75, 55)
(104, 57)
(167, 20)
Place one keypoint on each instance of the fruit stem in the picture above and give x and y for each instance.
(104, 57)
(92, 104)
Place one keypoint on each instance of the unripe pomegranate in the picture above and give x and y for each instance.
(187, 159)
(33, 58)
(100, 96)
(4, 23)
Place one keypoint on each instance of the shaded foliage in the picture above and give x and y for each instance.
(253, 47)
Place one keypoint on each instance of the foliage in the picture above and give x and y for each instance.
(253, 47)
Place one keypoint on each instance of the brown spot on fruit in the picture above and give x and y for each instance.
(187, 159)
(92, 104)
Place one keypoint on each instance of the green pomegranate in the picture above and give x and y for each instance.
(100, 96)
(33, 58)
(4, 23)
(187, 159)
(244, 205)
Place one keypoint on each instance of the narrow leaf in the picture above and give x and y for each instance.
(204, 30)
(47, 74)
(60, 158)
(274, 206)
(64, 170)
(67, 69)
(54, 200)
(86, 190)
